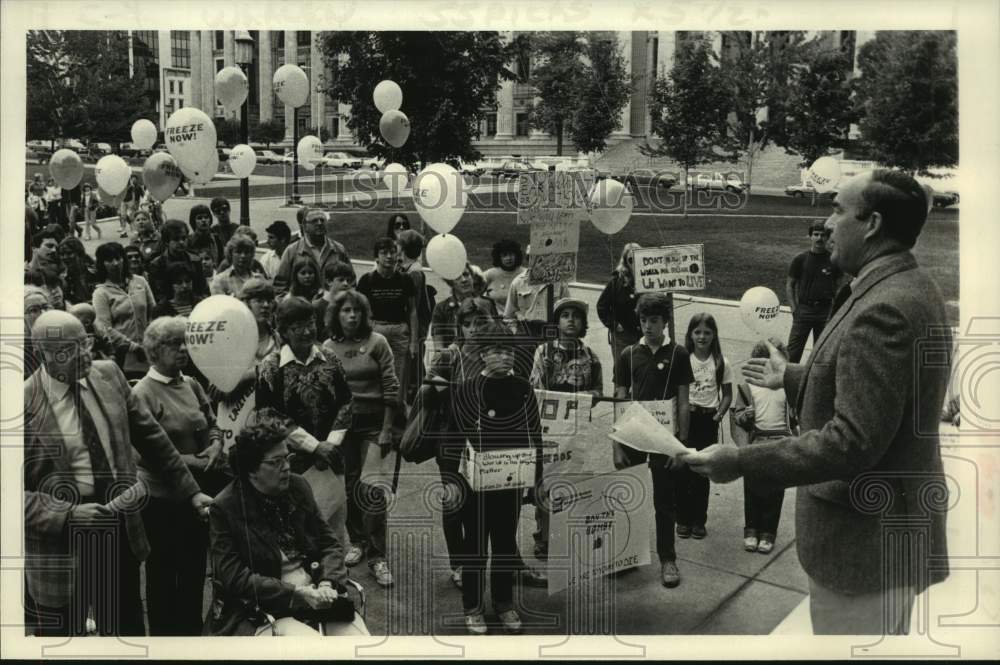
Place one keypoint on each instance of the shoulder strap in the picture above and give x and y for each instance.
(670, 371)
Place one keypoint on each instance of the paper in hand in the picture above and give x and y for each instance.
(637, 428)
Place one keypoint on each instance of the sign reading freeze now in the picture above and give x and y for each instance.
(673, 268)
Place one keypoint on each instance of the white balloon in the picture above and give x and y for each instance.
(202, 174)
(446, 256)
(395, 177)
(112, 174)
(395, 128)
(611, 206)
(388, 96)
(231, 87)
(439, 195)
(759, 308)
(66, 168)
(190, 137)
(143, 134)
(309, 152)
(291, 85)
(161, 175)
(824, 174)
(221, 339)
(242, 161)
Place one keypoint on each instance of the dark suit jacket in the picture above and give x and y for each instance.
(48, 477)
(246, 561)
(868, 457)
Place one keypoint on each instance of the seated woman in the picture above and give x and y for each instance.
(273, 556)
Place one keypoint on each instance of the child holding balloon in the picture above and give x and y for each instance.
(711, 394)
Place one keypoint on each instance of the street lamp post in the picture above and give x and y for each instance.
(244, 57)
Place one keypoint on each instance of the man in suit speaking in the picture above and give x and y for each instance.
(867, 462)
(84, 431)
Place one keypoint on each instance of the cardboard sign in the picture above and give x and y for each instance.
(500, 469)
(599, 527)
(551, 195)
(674, 268)
(664, 410)
(551, 268)
(233, 415)
(564, 417)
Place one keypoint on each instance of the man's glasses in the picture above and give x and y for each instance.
(302, 328)
(279, 461)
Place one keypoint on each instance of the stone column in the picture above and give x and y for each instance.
(291, 58)
(638, 107)
(229, 60)
(345, 137)
(197, 100)
(317, 80)
(666, 53)
(266, 72)
(207, 73)
(625, 45)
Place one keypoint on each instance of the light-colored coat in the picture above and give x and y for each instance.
(868, 460)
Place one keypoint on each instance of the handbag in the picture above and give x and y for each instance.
(427, 421)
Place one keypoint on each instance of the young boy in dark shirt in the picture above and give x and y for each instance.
(655, 368)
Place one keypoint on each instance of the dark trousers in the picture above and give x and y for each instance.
(175, 569)
(691, 488)
(366, 503)
(454, 520)
(799, 334)
(493, 528)
(762, 505)
(664, 490)
(106, 578)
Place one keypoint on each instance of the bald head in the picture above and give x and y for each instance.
(56, 324)
(64, 345)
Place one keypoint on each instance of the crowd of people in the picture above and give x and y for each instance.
(301, 495)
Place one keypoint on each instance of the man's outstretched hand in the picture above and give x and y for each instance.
(767, 372)
(719, 463)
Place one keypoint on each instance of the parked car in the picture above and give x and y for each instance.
(72, 144)
(511, 169)
(719, 182)
(224, 154)
(802, 190)
(341, 160)
(97, 150)
(945, 199)
(646, 178)
(132, 150)
(160, 147)
(372, 163)
(268, 157)
(37, 154)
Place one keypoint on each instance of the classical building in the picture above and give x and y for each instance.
(189, 61)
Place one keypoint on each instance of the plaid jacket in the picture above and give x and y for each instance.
(48, 479)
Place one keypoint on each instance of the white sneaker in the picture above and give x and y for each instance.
(382, 574)
(511, 621)
(475, 624)
(354, 555)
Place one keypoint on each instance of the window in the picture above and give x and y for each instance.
(180, 87)
(303, 38)
(220, 39)
(491, 124)
(169, 107)
(219, 64)
(180, 103)
(171, 86)
(334, 128)
(522, 124)
(280, 41)
(180, 48)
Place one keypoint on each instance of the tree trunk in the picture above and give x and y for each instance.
(687, 186)
(559, 138)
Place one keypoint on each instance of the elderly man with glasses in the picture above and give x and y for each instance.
(315, 241)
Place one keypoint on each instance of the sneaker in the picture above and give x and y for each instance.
(475, 624)
(382, 574)
(683, 531)
(765, 546)
(354, 555)
(670, 575)
(698, 532)
(533, 578)
(511, 621)
(541, 552)
(456, 577)
(750, 543)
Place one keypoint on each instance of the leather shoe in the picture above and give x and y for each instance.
(669, 574)
(533, 578)
(683, 531)
(698, 532)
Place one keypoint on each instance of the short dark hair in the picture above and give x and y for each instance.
(332, 317)
(179, 272)
(218, 202)
(53, 231)
(279, 229)
(106, 252)
(505, 246)
(198, 209)
(653, 304)
(292, 310)
(339, 269)
(492, 336)
(173, 229)
(253, 442)
(384, 244)
(257, 287)
(303, 261)
(817, 226)
(901, 202)
(411, 242)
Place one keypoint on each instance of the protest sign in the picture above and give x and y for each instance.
(564, 418)
(554, 246)
(648, 427)
(552, 268)
(598, 526)
(234, 414)
(663, 410)
(674, 268)
(499, 469)
(553, 195)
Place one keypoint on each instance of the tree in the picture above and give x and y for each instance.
(78, 85)
(820, 106)
(908, 99)
(227, 131)
(268, 132)
(449, 80)
(756, 69)
(689, 109)
(322, 132)
(582, 87)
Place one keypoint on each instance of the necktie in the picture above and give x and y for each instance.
(99, 465)
(842, 295)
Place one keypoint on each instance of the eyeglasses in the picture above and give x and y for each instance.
(302, 328)
(37, 310)
(175, 343)
(65, 350)
(401, 225)
(279, 461)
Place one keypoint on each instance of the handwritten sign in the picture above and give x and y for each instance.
(551, 268)
(664, 410)
(539, 193)
(564, 417)
(234, 414)
(500, 469)
(555, 237)
(598, 527)
(674, 268)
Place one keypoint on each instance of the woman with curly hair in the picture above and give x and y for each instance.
(508, 259)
